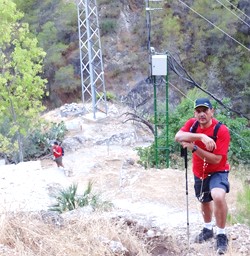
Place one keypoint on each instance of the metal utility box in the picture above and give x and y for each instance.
(159, 65)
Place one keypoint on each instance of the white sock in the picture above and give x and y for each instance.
(208, 225)
(220, 231)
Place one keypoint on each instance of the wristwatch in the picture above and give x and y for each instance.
(194, 148)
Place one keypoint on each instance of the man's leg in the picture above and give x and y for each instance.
(207, 211)
(220, 206)
(218, 194)
(203, 195)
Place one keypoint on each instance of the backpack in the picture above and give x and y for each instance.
(216, 128)
(62, 151)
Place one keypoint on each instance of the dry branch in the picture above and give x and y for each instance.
(135, 117)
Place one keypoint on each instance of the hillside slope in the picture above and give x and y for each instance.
(103, 151)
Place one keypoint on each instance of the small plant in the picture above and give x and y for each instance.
(68, 199)
(109, 96)
(108, 26)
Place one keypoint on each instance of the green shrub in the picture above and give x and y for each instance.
(68, 199)
(38, 142)
(239, 151)
(108, 26)
(109, 96)
(35, 144)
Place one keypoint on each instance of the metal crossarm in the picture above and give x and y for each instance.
(91, 63)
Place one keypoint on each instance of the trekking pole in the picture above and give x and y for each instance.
(184, 154)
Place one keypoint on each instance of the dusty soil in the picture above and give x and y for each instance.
(160, 195)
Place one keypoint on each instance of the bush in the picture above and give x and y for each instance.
(108, 26)
(109, 96)
(239, 151)
(68, 199)
(38, 142)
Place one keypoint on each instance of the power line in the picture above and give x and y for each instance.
(232, 12)
(182, 73)
(211, 23)
(247, 142)
(183, 94)
(238, 9)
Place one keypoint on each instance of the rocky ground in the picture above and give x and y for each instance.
(102, 150)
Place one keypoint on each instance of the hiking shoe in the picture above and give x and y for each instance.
(221, 243)
(204, 235)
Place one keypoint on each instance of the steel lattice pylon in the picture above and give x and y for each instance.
(92, 73)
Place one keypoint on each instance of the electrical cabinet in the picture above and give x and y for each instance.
(159, 65)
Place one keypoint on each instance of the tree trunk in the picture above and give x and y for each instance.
(20, 147)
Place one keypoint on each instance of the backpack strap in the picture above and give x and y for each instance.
(216, 129)
(194, 126)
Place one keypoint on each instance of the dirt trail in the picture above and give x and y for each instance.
(160, 195)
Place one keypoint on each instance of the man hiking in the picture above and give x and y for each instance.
(208, 140)
(57, 153)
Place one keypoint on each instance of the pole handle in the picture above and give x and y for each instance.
(184, 154)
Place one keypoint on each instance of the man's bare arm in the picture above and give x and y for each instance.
(210, 157)
(191, 137)
(187, 136)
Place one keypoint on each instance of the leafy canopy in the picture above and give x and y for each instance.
(21, 87)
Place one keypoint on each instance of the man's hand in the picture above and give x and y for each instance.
(188, 145)
(209, 142)
(211, 158)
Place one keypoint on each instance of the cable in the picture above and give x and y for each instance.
(247, 142)
(148, 26)
(238, 9)
(149, 29)
(232, 12)
(182, 73)
(185, 76)
(211, 23)
(183, 94)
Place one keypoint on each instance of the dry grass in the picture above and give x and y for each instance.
(27, 234)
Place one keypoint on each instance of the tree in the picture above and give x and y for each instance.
(21, 87)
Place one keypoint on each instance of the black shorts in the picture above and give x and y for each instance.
(215, 180)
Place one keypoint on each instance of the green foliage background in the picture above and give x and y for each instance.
(239, 152)
(21, 85)
(210, 56)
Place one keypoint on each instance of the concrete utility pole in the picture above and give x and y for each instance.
(92, 73)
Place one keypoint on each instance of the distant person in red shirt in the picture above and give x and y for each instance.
(210, 168)
(57, 153)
